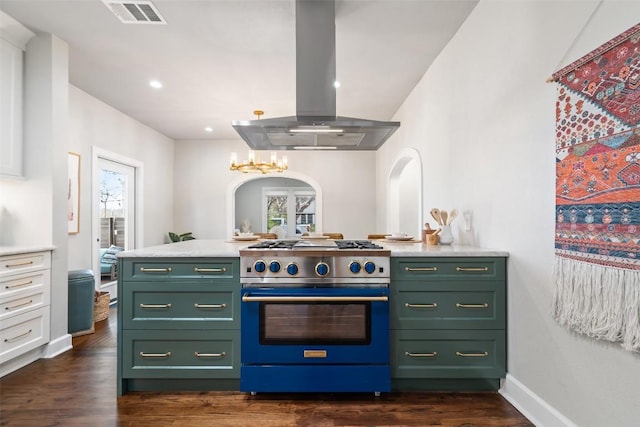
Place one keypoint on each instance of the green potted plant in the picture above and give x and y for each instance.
(181, 237)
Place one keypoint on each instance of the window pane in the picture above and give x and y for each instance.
(305, 214)
(276, 211)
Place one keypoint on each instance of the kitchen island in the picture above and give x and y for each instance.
(179, 317)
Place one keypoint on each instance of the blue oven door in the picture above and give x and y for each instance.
(315, 326)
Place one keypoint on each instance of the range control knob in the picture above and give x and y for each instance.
(274, 266)
(259, 266)
(322, 269)
(369, 267)
(355, 267)
(292, 269)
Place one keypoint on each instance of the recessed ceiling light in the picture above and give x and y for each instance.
(336, 84)
(208, 129)
(156, 84)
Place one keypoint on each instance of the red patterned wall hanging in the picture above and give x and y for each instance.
(597, 239)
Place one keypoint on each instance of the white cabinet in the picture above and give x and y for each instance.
(13, 39)
(25, 295)
(11, 64)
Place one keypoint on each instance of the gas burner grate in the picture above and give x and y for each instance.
(357, 244)
(293, 244)
(274, 244)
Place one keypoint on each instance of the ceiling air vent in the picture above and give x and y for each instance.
(135, 11)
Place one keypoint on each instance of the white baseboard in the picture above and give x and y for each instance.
(21, 361)
(58, 346)
(538, 411)
(46, 351)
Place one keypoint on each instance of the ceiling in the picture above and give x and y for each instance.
(220, 60)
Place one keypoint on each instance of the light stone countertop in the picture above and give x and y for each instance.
(224, 248)
(19, 250)
(419, 249)
(189, 248)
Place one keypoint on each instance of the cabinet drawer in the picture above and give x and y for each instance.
(23, 332)
(190, 268)
(24, 263)
(22, 303)
(481, 309)
(444, 269)
(448, 354)
(181, 354)
(184, 305)
(26, 283)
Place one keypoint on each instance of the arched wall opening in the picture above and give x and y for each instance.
(404, 195)
(245, 178)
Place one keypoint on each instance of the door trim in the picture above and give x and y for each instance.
(138, 167)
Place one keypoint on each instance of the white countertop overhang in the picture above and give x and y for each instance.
(230, 249)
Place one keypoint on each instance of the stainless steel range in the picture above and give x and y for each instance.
(315, 316)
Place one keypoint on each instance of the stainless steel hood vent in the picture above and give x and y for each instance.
(315, 125)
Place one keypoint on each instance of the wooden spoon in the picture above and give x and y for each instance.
(453, 215)
(444, 216)
(427, 226)
(435, 213)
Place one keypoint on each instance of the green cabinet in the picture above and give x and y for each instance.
(178, 324)
(448, 323)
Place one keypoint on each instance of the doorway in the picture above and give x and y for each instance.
(116, 195)
(404, 203)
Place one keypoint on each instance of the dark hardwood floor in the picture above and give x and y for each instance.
(78, 388)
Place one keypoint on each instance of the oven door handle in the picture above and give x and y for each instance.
(249, 298)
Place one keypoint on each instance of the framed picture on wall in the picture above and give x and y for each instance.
(73, 194)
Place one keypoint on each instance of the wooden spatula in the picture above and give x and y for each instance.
(435, 213)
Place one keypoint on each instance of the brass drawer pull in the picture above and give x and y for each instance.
(223, 354)
(155, 270)
(421, 268)
(19, 305)
(196, 305)
(19, 285)
(485, 305)
(18, 337)
(210, 270)
(434, 354)
(143, 354)
(155, 305)
(20, 264)
(483, 354)
(472, 268)
(408, 305)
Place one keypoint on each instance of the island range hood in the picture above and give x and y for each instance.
(315, 125)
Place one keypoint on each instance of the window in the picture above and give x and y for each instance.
(283, 204)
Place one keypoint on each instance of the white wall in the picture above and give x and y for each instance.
(483, 117)
(202, 175)
(93, 123)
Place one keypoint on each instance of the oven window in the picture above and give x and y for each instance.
(315, 323)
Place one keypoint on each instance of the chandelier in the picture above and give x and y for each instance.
(255, 165)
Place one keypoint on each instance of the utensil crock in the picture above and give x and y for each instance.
(446, 236)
